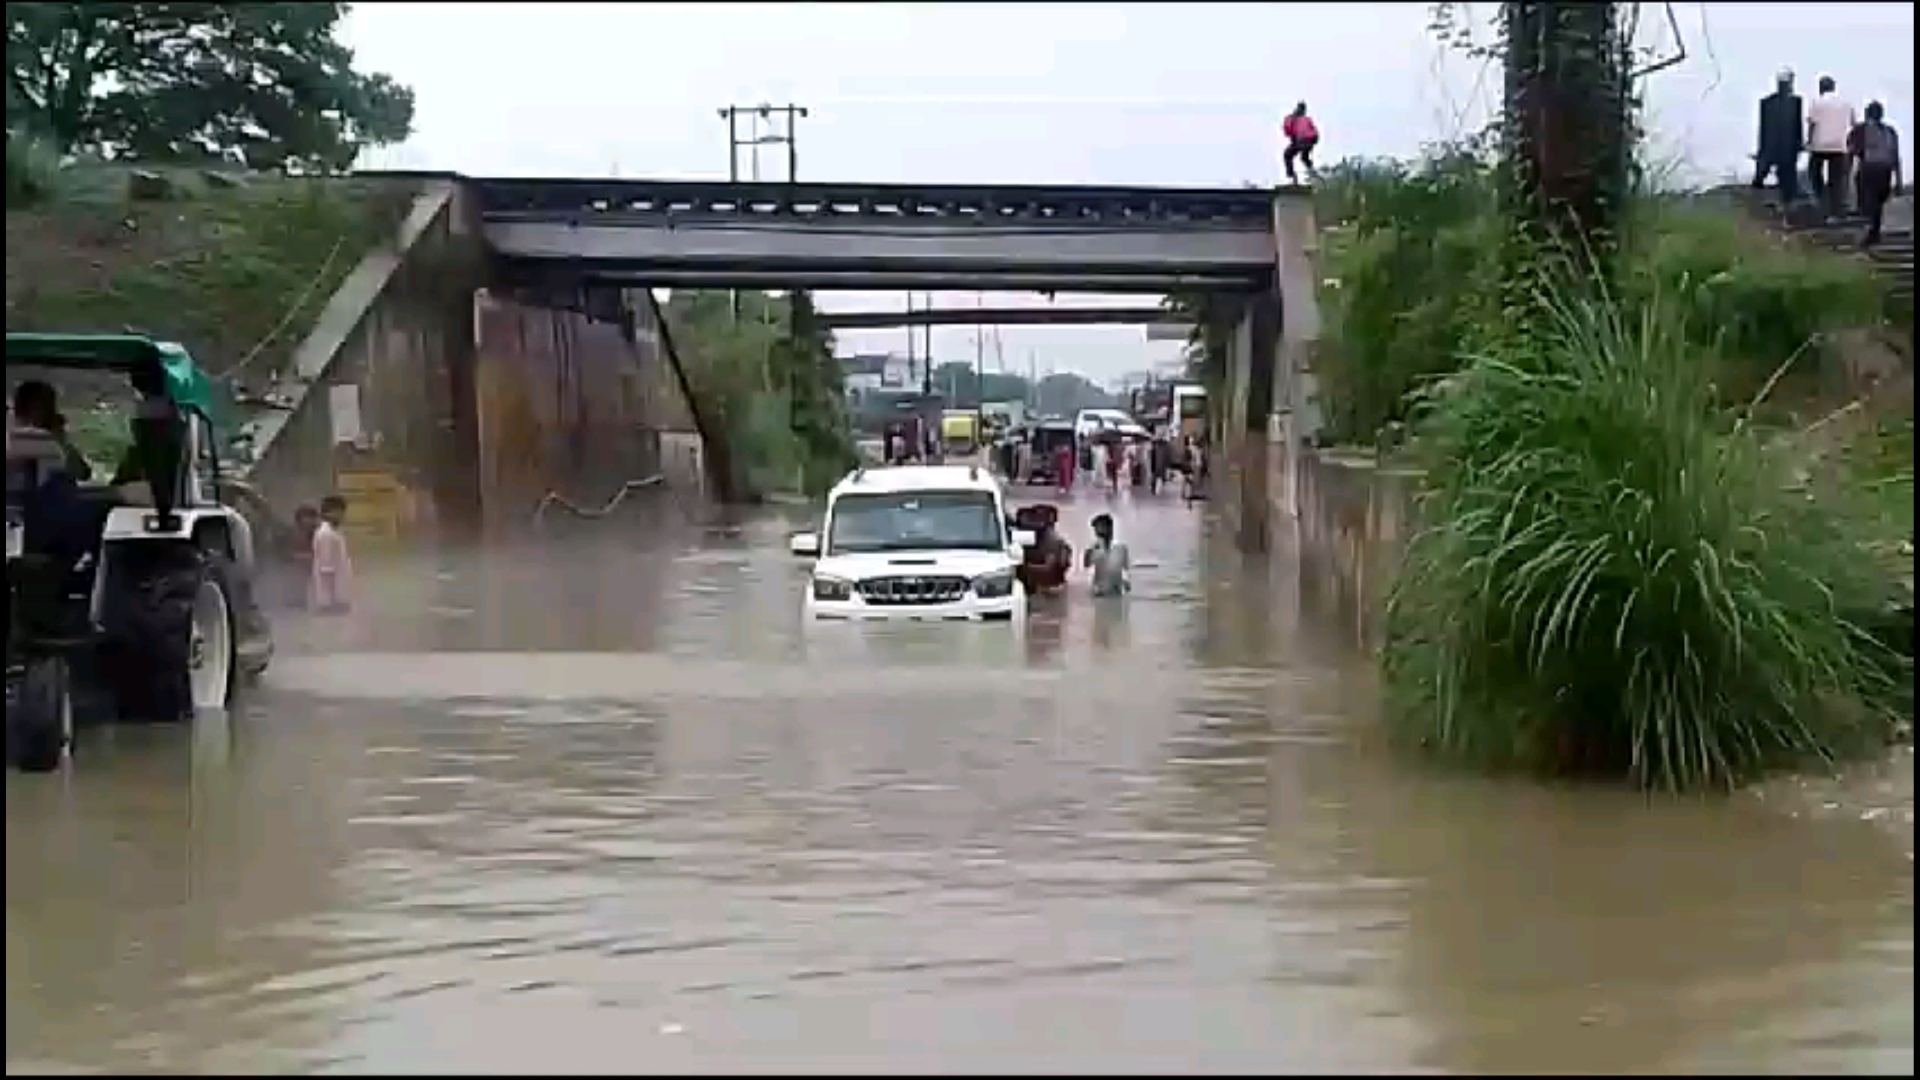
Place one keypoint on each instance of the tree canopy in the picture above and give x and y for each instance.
(267, 85)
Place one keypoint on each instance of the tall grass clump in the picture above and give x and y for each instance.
(1619, 576)
(33, 170)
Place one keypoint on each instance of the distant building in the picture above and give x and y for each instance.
(877, 371)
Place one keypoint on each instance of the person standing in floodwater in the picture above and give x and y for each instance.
(306, 523)
(1108, 559)
(332, 581)
(1302, 135)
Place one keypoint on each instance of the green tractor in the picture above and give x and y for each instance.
(137, 595)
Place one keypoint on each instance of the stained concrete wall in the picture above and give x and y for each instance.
(400, 330)
(478, 404)
(568, 405)
(1263, 466)
(1355, 518)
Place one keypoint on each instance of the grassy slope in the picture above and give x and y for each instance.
(237, 271)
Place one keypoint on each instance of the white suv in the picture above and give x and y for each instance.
(915, 542)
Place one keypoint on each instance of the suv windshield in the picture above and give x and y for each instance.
(915, 521)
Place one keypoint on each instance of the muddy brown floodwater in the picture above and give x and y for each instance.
(606, 804)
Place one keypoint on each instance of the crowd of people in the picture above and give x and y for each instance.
(1853, 161)
(1116, 462)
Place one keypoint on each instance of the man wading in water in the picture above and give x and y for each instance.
(1108, 560)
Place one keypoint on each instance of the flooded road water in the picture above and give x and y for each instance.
(609, 805)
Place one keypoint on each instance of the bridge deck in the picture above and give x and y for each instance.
(824, 235)
(1107, 207)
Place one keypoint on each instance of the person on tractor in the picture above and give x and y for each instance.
(129, 481)
(44, 472)
(36, 405)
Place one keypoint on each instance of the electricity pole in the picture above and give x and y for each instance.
(979, 359)
(774, 135)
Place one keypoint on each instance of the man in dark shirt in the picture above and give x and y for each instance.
(1783, 133)
(36, 404)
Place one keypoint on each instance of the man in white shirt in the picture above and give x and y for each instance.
(1829, 120)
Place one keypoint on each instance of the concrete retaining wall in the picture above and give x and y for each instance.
(1355, 519)
(475, 405)
(399, 330)
(568, 405)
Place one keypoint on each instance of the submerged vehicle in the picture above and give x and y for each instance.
(916, 542)
(136, 593)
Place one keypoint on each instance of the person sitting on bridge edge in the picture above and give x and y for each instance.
(1302, 136)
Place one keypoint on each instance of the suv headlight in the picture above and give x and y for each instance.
(831, 588)
(993, 586)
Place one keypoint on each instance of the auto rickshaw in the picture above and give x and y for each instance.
(1044, 440)
(1044, 568)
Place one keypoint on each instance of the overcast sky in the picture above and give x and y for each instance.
(1183, 94)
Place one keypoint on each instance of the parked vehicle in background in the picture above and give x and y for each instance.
(1190, 410)
(1044, 441)
(960, 431)
(1090, 422)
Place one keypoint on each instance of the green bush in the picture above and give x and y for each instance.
(1619, 576)
(33, 171)
(777, 399)
(1413, 254)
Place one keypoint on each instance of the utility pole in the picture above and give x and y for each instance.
(979, 360)
(775, 136)
(926, 337)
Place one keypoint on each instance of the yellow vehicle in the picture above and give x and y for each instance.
(960, 430)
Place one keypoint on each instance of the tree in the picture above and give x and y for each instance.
(1569, 135)
(265, 84)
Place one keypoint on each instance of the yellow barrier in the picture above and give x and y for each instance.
(377, 503)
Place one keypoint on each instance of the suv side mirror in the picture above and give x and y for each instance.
(806, 545)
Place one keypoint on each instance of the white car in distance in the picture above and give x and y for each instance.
(915, 542)
(1090, 422)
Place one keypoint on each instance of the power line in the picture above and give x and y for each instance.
(775, 135)
(756, 115)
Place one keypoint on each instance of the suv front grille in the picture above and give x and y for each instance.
(896, 591)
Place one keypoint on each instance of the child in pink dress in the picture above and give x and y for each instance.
(329, 589)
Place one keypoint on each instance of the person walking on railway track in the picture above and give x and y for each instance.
(1830, 123)
(1782, 132)
(1877, 147)
(1302, 135)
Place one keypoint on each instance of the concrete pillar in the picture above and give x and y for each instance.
(1256, 347)
(1297, 262)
